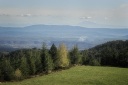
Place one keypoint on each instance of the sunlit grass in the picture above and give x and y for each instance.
(80, 75)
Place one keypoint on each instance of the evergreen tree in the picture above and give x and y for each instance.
(7, 72)
(85, 58)
(48, 63)
(38, 63)
(46, 59)
(94, 62)
(31, 62)
(53, 53)
(75, 56)
(24, 67)
(0, 73)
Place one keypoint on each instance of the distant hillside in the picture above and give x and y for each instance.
(35, 35)
(118, 44)
(114, 53)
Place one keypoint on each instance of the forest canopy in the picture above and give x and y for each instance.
(21, 64)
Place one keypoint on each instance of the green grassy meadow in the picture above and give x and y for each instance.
(80, 75)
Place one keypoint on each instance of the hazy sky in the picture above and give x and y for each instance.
(88, 13)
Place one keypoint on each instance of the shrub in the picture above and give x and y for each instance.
(94, 62)
(18, 74)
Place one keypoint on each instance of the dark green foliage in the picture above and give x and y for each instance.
(53, 53)
(24, 63)
(75, 57)
(6, 70)
(85, 58)
(114, 53)
(31, 62)
(47, 61)
(94, 62)
(38, 63)
(24, 67)
(32, 66)
(15, 58)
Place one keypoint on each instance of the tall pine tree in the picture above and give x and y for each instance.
(7, 72)
(24, 67)
(31, 62)
(53, 53)
(46, 59)
(75, 56)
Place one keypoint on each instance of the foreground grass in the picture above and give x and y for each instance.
(80, 75)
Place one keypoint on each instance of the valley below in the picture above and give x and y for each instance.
(13, 38)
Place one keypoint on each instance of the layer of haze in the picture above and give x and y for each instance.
(86, 13)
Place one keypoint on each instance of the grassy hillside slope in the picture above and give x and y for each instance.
(80, 75)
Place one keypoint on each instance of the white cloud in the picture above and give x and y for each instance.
(26, 15)
(124, 5)
(17, 15)
(82, 38)
(89, 17)
(106, 18)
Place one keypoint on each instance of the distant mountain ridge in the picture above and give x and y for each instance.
(35, 35)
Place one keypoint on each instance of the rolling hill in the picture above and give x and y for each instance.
(35, 35)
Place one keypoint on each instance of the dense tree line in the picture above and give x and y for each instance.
(24, 63)
(21, 64)
(114, 53)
